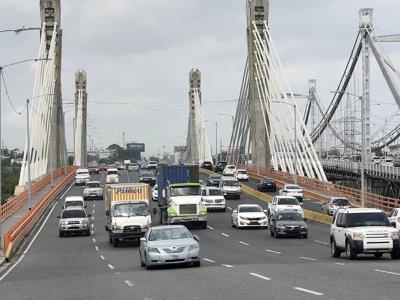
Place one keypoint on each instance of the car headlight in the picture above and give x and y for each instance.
(395, 235)
(62, 222)
(203, 210)
(357, 235)
(85, 222)
(303, 227)
(153, 250)
(117, 228)
(280, 227)
(193, 247)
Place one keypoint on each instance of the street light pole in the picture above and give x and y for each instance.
(216, 142)
(28, 154)
(295, 143)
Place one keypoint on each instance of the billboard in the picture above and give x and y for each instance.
(135, 146)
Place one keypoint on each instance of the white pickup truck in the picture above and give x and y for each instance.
(363, 230)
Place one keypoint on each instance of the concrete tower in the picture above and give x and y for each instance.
(50, 14)
(80, 119)
(257, 11)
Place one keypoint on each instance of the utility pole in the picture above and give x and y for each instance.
(123, 139)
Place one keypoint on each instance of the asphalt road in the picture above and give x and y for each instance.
(236, 264)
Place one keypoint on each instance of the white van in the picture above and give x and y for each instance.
(230, 187)
(112, 175)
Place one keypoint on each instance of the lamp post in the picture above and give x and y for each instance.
(1, 146)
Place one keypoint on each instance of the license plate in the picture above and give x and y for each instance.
(253, 223)
(173, 257)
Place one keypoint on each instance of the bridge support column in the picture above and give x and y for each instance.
(80, 119)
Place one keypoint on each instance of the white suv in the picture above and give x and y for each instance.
(229, 170)
(363, 230)
(285, 203)
(292, 190)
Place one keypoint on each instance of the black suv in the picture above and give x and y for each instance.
(220, 166)
(266, 185)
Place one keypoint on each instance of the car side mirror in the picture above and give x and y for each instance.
(89, 216)
(235, 211)
(143, 240)
(155, 210)
(305, 219)
(265, 211)
(393, 224)
(107, 213)
(196, 238)
(301, 203)
(58, 217)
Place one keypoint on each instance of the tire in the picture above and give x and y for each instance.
(61, 234)
(115, 243)
(142, 264)
(197, 264)
(334, 249)
(350, 252)
(271, 232)
(378, 255)
(305, 236)
(204, 225)
(148, 267)
(395, 254)
(233, 224)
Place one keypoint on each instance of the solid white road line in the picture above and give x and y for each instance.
(111, 267)
(308, 291)
(209, 260)
(272, 251)
(128, 283)
(230, 208)
(224, 234)
(307, 258)
(259, 276)
(35, 237)
(387, 272)
(97, 248)
(209, 227)
(92, 225)
(228, 266)
(320, 242)
(243, 243)
(102, 257)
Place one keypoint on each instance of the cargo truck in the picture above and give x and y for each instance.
(179, 195)
(128, 214)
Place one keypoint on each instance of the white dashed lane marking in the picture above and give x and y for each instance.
(387, 272)
(224, 234)
(97, 248)
(209, 260)
(259, 276)
(320, 242)
(307, 258)
(111, 267)
(128, 283)
(243, 243)
(94, 240)
(272, 251)
(228, 266)
(209, 227)
(230, 208)
(340, 264)
(308, 291)
(102, 257)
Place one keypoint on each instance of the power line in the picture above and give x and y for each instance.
(9, 98)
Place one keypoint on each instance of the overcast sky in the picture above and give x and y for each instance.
(140, 52)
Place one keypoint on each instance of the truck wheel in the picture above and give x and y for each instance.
(115, 243)
(350, 252)
(204, 225)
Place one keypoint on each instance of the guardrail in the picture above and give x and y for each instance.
(17, 233)
(322, 190)
(14, 203)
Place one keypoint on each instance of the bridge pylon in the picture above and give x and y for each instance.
(80, 123)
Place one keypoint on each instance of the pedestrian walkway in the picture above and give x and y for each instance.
(20, 213)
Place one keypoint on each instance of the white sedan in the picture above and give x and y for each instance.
(394, 217)
(249, 215)
(229, 170)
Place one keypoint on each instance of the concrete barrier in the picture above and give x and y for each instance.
(308, 214)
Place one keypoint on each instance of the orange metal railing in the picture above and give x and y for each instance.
(320, 190)
(16, 234)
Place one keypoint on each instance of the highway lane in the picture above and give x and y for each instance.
(90, 268)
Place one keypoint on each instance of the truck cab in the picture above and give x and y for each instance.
(185, 204)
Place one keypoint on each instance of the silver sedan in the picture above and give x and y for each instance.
(165, 245)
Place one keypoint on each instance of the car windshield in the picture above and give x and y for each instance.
(214, 192)
(293, 187)
(169, 234)
(230, 167)
(82, 173)
(231, 183)
(366, 219)
(242, 172)
(93, 184)
(186, 191)
(73, 213)
(112, 172)
(341, 202)
(289, 217)
(250, 209)
(130, 210)
(215, 177)
(74, 203)
(267, 181)
(288, 201)
(147, 174)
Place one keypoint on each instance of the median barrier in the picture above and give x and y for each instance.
(20, 230)
(308, 214)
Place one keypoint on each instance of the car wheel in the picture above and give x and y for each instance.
(115, 243)
(61, 234)
(148, 267)
(395, 254)
(271, 232)
(305, 236)
(350, 253)
(142, 264)
(196, 264)
(334, 249)
(378, 255)
(233, 224)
